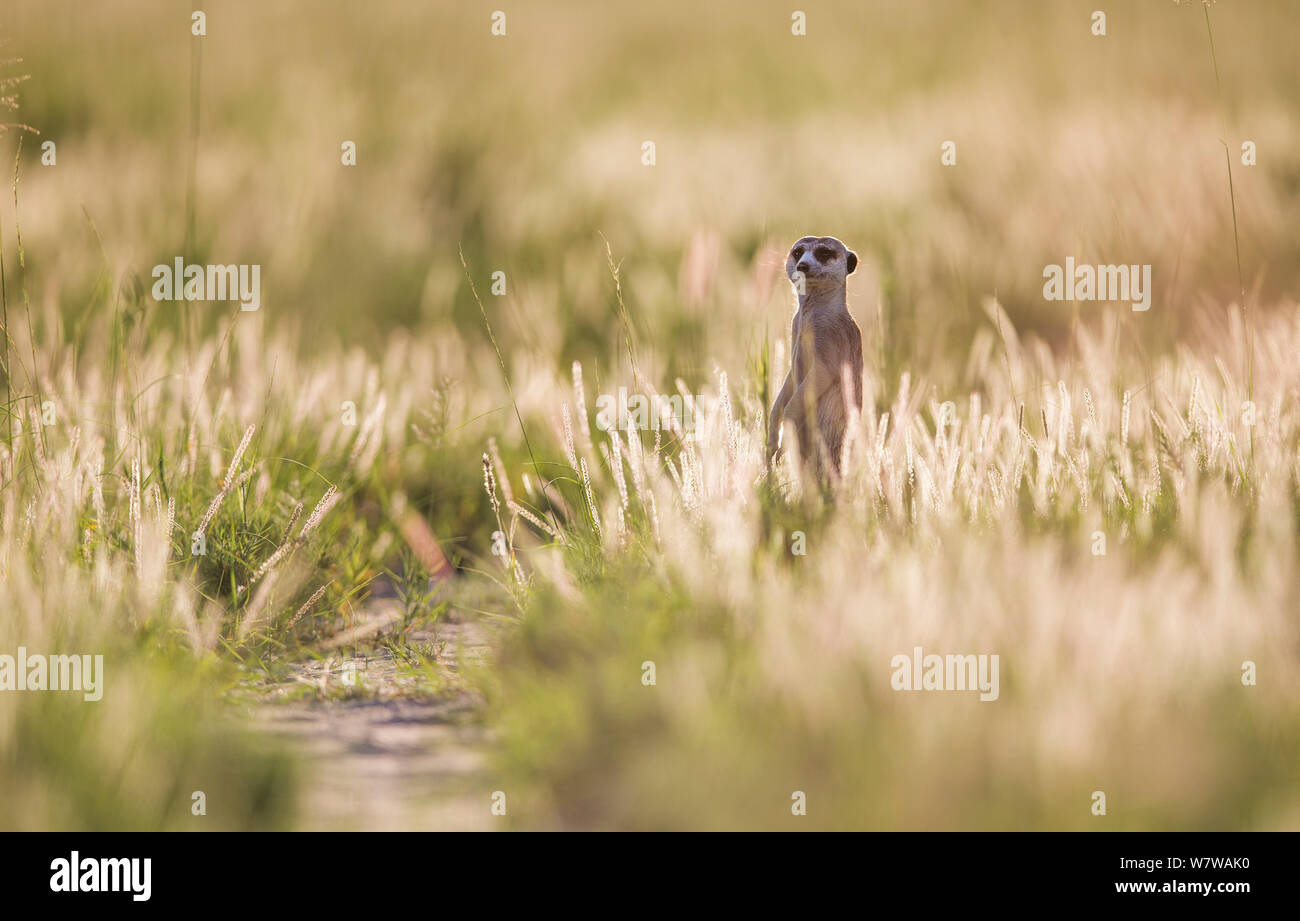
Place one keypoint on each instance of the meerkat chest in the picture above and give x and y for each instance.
(813, 334)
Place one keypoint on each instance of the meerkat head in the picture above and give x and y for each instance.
(824, 262)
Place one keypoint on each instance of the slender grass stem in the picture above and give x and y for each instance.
(1236, 237)
(555, 521)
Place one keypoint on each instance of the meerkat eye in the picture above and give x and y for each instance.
(797, 252)
(824, 254)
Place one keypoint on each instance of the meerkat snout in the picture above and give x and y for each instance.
(825, 354)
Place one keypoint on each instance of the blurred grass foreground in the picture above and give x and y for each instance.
(1105, 499)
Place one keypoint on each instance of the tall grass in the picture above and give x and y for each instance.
(965, 532)
(1125, 559)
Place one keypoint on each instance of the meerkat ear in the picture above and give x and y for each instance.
(852, 262)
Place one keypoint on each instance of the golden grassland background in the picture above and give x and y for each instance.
(1119, 673)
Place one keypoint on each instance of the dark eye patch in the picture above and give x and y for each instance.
(798, 251)
(824, 254)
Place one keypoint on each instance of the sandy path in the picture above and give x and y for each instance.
(398, 756)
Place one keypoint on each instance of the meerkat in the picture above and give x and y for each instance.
(825, 344)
